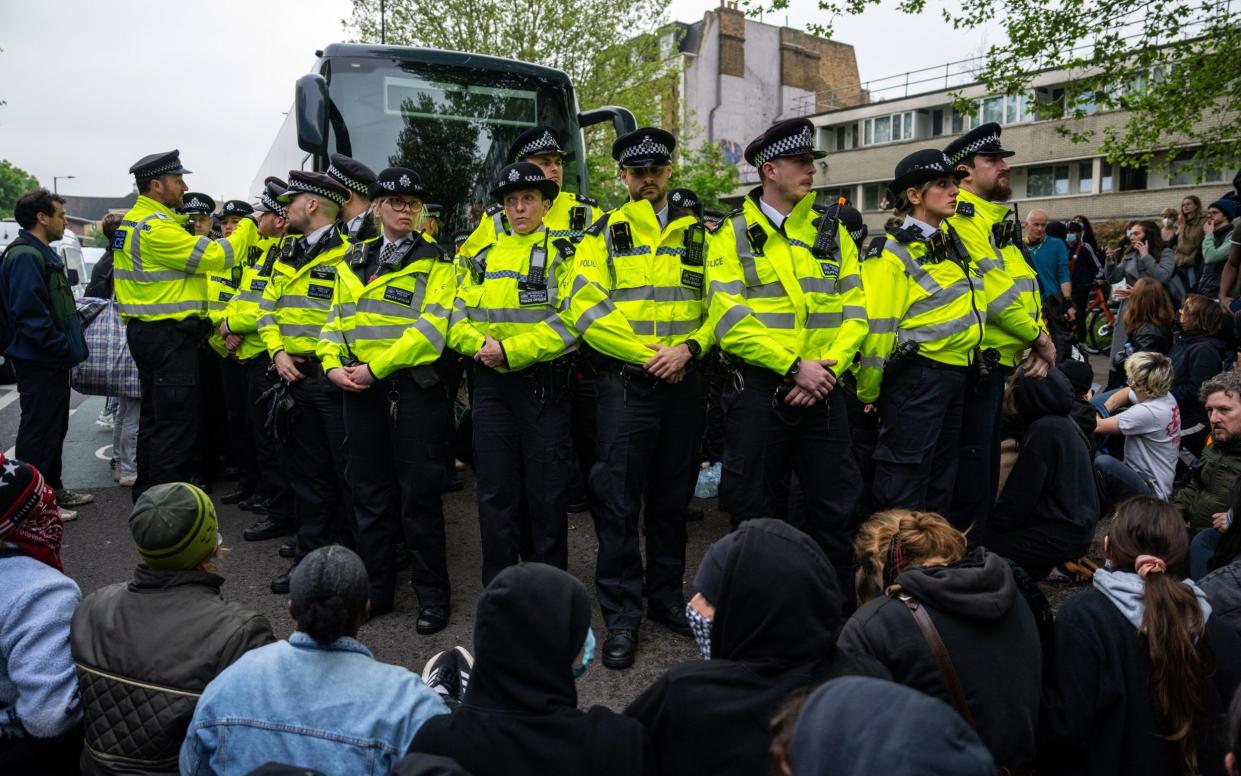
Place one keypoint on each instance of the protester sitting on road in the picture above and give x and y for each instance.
(861, 726)
(1148, 325)
(1197, 356)
(518, 714)
(318, 700)
(766, 618)
(174, 601)
(39, 707)
(1142, 671)
(910, 563)
(1047, 512)
(1204, 501)
(1151, 425)
(1222, 584)
(1081, 378)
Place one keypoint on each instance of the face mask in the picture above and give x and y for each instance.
(1129, 233)
(701, 627)
(1167, 222)
(588, 654)
(1071, 238)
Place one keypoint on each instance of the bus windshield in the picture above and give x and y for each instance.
(453, 124)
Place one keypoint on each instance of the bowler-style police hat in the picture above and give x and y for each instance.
(523, 175)
(194, 203)
(398, 181)
(236, 207)
(922, 167)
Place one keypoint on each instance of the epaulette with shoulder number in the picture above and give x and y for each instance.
(727, 217)
(565, 247)
(905, 236)
(965, 209)
(493, 208)
(443, 255)
(876, 247)
(587, 200)
(598, 226)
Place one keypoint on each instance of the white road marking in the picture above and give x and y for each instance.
(13, 450)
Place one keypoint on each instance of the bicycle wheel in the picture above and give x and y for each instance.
(1098, 332)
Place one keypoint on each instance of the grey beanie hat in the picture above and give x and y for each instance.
(326, 572)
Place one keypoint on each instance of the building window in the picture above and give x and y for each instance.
(1105, 178)
(872, 196)
(831, 195)
(1132, 178)
(1183, 172)
(1049, 181)
(937, 122)
(1085, 177)
(886, 129)
(993, 110)
(840, 138)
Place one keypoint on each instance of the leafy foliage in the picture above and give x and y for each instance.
(14, 182)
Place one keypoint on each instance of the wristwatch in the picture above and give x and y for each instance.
(694, 348)
(794, 369)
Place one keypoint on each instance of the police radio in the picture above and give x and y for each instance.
(577, 218)
(825, 239)
(695, 245)
(622, 239)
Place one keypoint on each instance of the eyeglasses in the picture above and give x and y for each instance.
(401, 205)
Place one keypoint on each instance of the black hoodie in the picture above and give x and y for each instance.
(519, 716)
(1053, 479)
(774, 632)
(990, 635)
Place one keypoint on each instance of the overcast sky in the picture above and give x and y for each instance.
(91, 86)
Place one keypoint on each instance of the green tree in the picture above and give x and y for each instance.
(14, 182)
(706, 172)
(1172, 64)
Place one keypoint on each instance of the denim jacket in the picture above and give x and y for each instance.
(332, 708)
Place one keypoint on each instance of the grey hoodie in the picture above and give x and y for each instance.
(1125, 590)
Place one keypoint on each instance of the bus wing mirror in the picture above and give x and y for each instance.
(311, 106)
(622, 120)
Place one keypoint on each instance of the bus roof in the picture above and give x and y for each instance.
(442, 57)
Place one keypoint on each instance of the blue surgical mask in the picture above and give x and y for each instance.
(588, 654)
(1071, 238)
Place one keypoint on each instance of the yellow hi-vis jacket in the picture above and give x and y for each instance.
(1014, 307)
(911, 296)
(569, 217)
(771, 300)
(242, 311)
(223, 288)
(161, 269)
(498, 297)
(396, 321)
(647, 290)
(296, 299)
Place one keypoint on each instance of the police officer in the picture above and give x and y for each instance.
(358, 180)
(161, 292)
(383, 337)
(510, 315)
(787, 306)
(926, 308)
(231, 214)
(640, 306)
(295, 306)
(199, 207)
(1014, 309)
(238, 329)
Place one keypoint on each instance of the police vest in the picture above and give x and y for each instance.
(569, 217)
(298, 297)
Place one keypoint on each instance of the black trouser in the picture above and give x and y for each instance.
(451, 370)
(1081, 300)
(920, 405)
(646, 462)
(864, 434)
(213, 415)
(271, 477)
(522, 462)
(166, 354)
(582, 423)
(715, 376)
(239, 439)
(1039, 546)
(398, 471)
(766, 440)
(43, 392)
(316, 460)
(978, 475)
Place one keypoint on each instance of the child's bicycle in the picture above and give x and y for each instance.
(1100, 321)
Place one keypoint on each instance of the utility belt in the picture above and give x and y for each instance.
(425, 376)
(195, 329)
(309, 366)
(546, 377)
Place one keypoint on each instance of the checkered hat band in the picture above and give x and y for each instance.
(793, 145)
(310, 188)
(541, 145)
(175, 164)
(646, 148)
(346, 181)
(194, 203)
(975, 147)
(272, 204)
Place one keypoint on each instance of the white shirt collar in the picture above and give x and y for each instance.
(662, 217)
(404, 239)
(776, 216)
(926, 229)
(317, 234)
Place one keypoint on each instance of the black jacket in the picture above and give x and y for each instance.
(1194, 361)
(774, 633)
(1223, 589)
(101, 283)
(1097, 717)
(519, 716)
(144, 651)
(1149, 337)
(1053, 479)
(990, 634)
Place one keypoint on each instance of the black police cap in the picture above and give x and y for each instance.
(523, 175)
(322, 184)
(352, 174)
(154, 165)
(435, 210)
(686, 200)
(236, 207)
(645, 147)
(983, 139)
(398, 181)
(195, 203)
(921, 167)
(536, 141)
(792, 137)
(273, 187)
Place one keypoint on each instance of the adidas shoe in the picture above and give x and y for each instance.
(442, 674)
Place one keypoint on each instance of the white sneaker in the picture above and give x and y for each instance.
(126, 480)
(105, 420)
(465, 666)
(68, 515)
